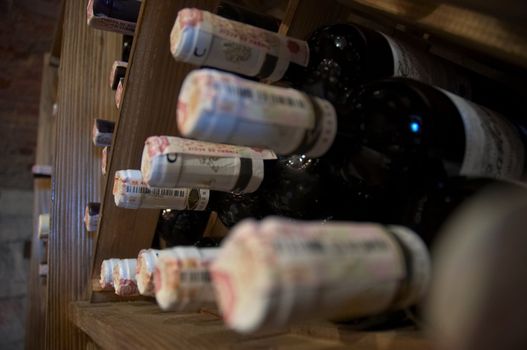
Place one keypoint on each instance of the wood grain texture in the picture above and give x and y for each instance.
(152, 83)
(85, 60)
(140, 325)
(504, 40)
(403, 339)
(302, 17)
(56, 45)
(37, 291)
(46, 124)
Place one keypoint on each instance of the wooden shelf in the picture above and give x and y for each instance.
(148, 107)
(86, 56)
(491, 36)
(142, 325)
(37, 286)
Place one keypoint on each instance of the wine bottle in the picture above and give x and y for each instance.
(43, 226)
(102, 132)
(181, 227)
(104, 159)
(172, 161)
(106, 279)
(130, 191)
(118, 71)
(91, 216)
(480, 273)
(126, 10)
(329, 64)
(119, 93)
(275, 272)
(126, 47)
(182, 281)
(348, 270)
(113, 15)
(43, 270)
(124, 282)
(147, 261)
(395, 133)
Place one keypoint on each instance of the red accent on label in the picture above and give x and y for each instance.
(157, 279)
(190, 17)
(293, 47)
(182, 114)
(157, 145)
(224, 284)
(127, 287)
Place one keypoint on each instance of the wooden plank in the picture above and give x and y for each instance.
(506, 41)
(148, 108)
(37, 292)
(85, 60)
(302, 17)
(56, 45)
(46, 124)
(405, 339)
(141, 325)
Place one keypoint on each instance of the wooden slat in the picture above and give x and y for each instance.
(506, 41)
(37, 302)
(56, 45)
(406, 339)
(36, 297)
(148, 108)
(86, 58)
(302, 17)
(140, 325)
(46, 124)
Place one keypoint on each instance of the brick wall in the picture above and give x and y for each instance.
(26, 31)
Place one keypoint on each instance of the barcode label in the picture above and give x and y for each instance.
(264, 96)
(156, 191)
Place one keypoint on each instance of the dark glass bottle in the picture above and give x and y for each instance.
(126, 10)
(127, 47)
(182, 227)
(252, 187)
(332, 61)
(401, 134)
(398, 133)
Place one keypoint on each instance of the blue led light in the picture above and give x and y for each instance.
(415, 127)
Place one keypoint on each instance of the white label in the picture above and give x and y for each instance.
(302, 270)
(230, 96)
(222, 107)
(421, 269)
(129, 192)
(412, 63)
(119, 93)
(493, 147)
(234, 46)
(184, 281)
(162, 145)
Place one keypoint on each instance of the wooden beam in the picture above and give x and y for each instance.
(484, 33)
(148, 107)
(302, 17)
(140, 325)
(86, 58)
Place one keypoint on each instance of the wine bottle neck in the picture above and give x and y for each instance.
(204, 39)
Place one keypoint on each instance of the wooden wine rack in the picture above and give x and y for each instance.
(81, 316)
